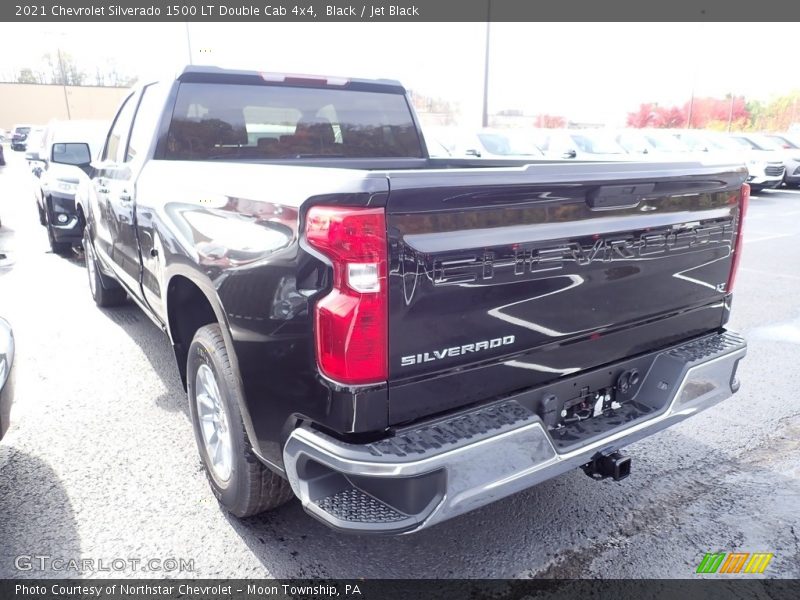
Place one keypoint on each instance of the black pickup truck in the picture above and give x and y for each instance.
(397, 339)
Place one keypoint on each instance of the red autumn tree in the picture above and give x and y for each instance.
(550, 121)
(708, 110)
(671, 117)
(701, 111)
(644, 117)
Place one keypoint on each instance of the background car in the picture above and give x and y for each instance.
(765, 167)
(6, 382)
(583, 144)
(33, 139)
(651, 143)
(59, 164)
(791, 155)
(499, 143)
(697, 140)
(19, 137)
(787, 141)
(765, 161)
(484, 143)
(2, 156)
(440, 141)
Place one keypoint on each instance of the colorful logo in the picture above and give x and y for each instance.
(734, 562)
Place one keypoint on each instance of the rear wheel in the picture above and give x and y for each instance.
(105, 291)
(240, 482)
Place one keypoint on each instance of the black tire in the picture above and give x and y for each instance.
(105, 291)
(60, 248)
(250, 488)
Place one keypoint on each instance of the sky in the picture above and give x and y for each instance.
(592, 72)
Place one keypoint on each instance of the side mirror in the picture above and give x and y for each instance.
(473, 152)
(569, 154)
(32, 155)
(77, 154)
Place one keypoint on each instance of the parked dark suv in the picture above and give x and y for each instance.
(19, 138)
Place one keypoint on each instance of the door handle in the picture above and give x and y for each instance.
(102, 190)
(124, 196)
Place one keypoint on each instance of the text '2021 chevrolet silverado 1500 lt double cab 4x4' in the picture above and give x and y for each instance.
(397, 339)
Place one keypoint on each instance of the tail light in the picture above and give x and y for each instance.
(351, 321)
(737, 249)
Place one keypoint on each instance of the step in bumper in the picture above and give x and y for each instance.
(444, 468)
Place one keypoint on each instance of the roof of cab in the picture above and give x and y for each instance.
(210, 74)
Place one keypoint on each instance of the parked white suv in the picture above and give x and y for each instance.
(764, 160)
(790, 144)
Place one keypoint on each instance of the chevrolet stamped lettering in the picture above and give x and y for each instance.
(528, 261)
(407, 361)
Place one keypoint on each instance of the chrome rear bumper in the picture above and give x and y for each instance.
(441, 469)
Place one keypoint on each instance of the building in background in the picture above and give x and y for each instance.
(39, 103)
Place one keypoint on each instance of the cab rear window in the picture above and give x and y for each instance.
(229, 122)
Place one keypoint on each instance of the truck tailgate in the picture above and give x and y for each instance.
(501, 279)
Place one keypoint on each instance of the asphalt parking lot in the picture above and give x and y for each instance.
(100, 462)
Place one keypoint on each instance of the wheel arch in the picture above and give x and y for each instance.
(191, 304)
(188, 306)
(81, 212)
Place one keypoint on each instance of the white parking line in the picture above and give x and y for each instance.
(771, 215)
(770, 273)
(764, 238)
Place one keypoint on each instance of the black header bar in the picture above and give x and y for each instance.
(359, 589)
(269, 11)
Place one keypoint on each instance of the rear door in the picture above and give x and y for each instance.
(145, 249)
(115, 239)
(127, 149)
(501, 279)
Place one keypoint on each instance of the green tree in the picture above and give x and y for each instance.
(64, 69)
(27, 75)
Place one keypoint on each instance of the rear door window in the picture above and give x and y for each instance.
(145, 122)
(117, 138)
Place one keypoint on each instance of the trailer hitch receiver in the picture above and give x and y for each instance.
(602, 466)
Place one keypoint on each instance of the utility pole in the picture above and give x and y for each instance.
(64, 83)
(691, 99)
(485, 119)
(189, 42)
(730, 113)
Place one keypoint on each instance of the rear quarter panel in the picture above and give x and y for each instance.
(233, 230)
